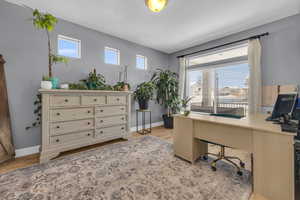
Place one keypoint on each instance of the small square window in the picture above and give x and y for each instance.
(112, 56)
(68, 47)
(141, 62)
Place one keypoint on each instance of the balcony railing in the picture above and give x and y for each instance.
(237, 108)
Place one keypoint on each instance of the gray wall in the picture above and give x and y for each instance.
(280, 50)
(25, 50)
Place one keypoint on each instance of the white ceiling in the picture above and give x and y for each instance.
(184, 23)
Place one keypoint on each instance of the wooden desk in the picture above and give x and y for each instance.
(273, 150)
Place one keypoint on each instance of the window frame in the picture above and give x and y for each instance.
(145, 62)
(223, 61)
(63, 37)
(118, 55)
(212, 65)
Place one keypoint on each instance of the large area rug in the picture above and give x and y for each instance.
(138, 169)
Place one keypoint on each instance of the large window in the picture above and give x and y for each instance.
(219, 85)
(68, 47)
(111, 56)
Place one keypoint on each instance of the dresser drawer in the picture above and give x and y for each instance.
(115, 131)
(71, 114)
(64, 100)
(110, 121)
(116, 100)
(110, 111)
(93, 100)
(70, 138)
(72, 126)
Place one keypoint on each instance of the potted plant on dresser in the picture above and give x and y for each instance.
(47, 22)
(166, 83)
(143, 94)
(46, 83)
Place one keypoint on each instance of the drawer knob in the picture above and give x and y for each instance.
(118, 99)
(122, 128)
(89, 111)
(66, 100)
(122, 118)
(89, 123)
(101, 132)
(101, 121)
(57, 114)
(58, 127)
(95, 99)
(122, 108)
(101, 110)
(88, 134)
(57, 140)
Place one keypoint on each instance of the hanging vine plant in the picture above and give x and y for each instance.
(37, 112)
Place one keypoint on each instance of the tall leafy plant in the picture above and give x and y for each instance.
(166, 83)
(47, 22)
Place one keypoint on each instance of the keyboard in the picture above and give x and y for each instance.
(289, 128)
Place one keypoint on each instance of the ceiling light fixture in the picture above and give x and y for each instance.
(156, 5)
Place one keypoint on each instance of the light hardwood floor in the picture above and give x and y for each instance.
(165, 134)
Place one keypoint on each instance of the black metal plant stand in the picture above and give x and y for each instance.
(144, 130)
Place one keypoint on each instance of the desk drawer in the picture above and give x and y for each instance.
(64, 100)
(71, 137)
(116, 100)
(71, 114)
(93, 100)
(235, 137)
(110, 121)
(72, 126)
(116, 131)
(110, 111)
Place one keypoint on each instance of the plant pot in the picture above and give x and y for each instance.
(125, 87)
(46, 85)
(168, 121)
(143, 104)
(55, 82)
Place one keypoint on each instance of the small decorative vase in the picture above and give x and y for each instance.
(55, 82)
(64, 86)
(46, 85)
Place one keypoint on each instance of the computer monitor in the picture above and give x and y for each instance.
(284, 105)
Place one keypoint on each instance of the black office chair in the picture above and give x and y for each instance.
(221, 155)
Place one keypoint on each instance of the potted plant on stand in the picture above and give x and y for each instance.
(143, 93)
(166, 83)
(47, 22)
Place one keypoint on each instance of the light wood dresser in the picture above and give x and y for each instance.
(76, 118)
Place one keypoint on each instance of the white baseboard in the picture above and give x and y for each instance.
(36, 149)
(27, 151)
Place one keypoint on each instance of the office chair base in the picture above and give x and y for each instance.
(221, 156)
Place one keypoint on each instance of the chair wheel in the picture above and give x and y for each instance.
(214, 168)
(240, 173)
(204, 157)
(242, 164)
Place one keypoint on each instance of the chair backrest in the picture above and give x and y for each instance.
(227, 115)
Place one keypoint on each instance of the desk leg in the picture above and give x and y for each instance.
(185, 146)
(273, 173)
